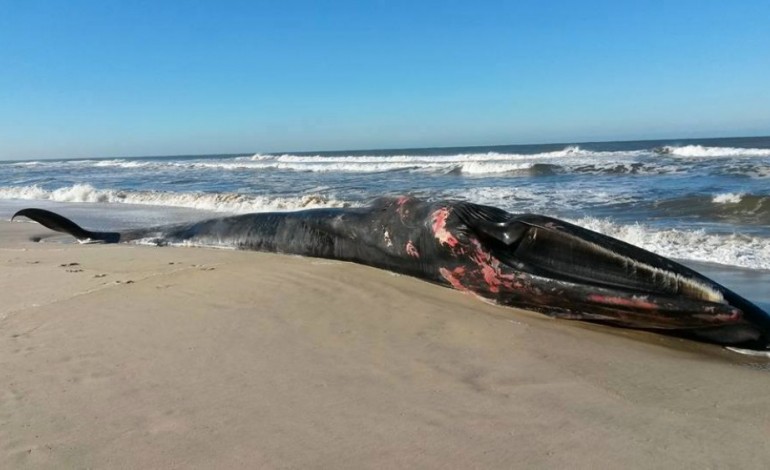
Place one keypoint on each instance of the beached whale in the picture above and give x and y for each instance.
(522, 260)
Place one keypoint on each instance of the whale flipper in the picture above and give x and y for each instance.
(62, 224)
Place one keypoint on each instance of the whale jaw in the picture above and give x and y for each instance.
(575, 273)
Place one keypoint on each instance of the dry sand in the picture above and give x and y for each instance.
(143, 357)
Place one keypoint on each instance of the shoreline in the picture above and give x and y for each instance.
(134, 356)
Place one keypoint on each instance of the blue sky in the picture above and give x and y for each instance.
(121, 78)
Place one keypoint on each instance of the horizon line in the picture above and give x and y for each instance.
(321, 152)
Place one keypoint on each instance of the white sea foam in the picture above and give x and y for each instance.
(736, 249)
(476, 164)
(714, 152)
(488, 168)
(727, 198)
(573, 158)
(219, 202)
(256, 157)
(122, 163)
(448, 158)
(542, 199)
(30, 163)
(470, 163)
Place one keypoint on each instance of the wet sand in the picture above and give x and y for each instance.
(143, 357)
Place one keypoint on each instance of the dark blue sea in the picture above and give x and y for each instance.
(703, 201)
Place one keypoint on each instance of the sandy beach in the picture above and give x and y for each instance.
(144, 357)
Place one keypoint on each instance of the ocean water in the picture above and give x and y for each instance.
(704, 201)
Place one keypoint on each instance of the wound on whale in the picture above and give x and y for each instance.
(522, 260)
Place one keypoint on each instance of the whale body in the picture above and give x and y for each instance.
(523, 260)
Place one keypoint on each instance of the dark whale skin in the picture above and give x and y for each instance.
(521, 260)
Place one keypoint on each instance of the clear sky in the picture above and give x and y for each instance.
(122, 78)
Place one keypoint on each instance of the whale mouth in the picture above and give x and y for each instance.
(565, 256)
(581, 274)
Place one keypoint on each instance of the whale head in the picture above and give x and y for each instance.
(566, 271)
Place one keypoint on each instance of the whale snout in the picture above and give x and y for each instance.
(571, 272)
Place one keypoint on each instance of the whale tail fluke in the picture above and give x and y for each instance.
(62, 224)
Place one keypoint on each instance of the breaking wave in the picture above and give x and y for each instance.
(570, 159)
(218, 202)
(466, 163)
(750, 209)
(727, 198)
(713, 152)
(734, 249)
